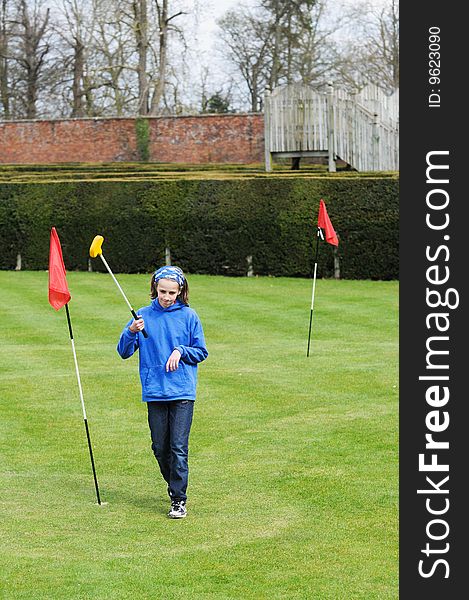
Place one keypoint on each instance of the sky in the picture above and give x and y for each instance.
(213, 10)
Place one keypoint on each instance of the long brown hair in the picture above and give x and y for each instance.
(183, 294)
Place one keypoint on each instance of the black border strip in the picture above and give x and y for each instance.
(433, 401)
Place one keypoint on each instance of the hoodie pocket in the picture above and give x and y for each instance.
(159, 383)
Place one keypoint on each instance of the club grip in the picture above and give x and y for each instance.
(135, 316)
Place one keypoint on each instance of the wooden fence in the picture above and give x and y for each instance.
(361, 129)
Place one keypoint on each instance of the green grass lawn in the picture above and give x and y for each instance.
(293, 489)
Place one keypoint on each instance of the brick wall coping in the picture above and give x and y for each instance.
(185, 116)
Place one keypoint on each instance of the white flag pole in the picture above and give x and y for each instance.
(319, 235)
(83, 404)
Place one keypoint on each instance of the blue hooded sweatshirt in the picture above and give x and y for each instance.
(176, 327)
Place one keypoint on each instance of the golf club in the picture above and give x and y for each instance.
(95, 250)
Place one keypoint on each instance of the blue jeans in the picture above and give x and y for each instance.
(170, 425)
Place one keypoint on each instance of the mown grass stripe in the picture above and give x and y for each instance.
(294, 467)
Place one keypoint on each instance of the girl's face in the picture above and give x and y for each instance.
(168, 291)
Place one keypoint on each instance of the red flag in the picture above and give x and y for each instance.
(58, 288)
(325, 223)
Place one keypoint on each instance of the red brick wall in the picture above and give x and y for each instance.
(197, 139)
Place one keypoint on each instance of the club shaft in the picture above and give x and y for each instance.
(134, 314)
(116, 282)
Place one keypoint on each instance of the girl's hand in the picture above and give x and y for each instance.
(137, 325)
(173, 361)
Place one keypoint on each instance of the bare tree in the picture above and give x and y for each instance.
(383, 45)
(165, 26)
(287, 23)
(120, 57)
(312, 55)
(278, 11)
(4, 61)
(140, 12)
(280, 42)
(152, 48)
(114, 58)
(246, 36)
(375, 56)
(75, 18)
(29, 46)
(76, 32)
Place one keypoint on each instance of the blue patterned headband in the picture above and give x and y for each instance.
(174, 273)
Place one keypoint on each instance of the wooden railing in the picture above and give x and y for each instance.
(361, 129)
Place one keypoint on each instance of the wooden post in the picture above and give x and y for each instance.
(375, 143)
(267, 126)
(336, 263)
(18, 262)
(167, 255)
(330, 128)
(250, 272)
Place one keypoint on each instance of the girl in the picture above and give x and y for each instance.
(168, 362)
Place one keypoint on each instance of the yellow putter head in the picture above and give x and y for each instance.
(95, 248)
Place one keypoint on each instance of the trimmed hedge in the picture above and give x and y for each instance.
(210, 226)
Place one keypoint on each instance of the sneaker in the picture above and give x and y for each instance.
(178, 509)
